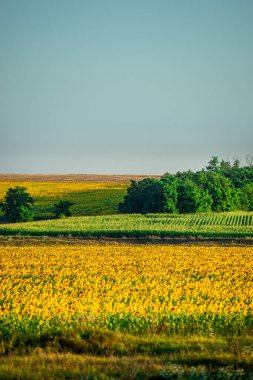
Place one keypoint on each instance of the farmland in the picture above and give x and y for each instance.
(211, 225)
(164, 308)
(75, 304)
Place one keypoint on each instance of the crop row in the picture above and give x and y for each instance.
(202, 220)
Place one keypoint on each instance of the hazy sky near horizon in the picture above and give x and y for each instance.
(116, 86)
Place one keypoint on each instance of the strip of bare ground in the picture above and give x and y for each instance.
(125, 178)
(71, 240)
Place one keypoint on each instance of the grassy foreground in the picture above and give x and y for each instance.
(229, 224)
(112, 355)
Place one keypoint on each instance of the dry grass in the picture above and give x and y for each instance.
(192, 358)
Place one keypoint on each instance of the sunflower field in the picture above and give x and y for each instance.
(133, 288)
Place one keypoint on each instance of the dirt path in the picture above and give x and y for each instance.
(61, 240)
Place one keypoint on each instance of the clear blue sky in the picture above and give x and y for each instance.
(116, 86)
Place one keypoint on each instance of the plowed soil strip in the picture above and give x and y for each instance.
(62, 240)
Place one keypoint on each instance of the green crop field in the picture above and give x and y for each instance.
(89, 198)
(229, 224)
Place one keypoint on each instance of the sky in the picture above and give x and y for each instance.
(124, 87)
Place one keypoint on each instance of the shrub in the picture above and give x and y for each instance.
(61, 209)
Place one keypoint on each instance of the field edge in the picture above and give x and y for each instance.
(20, 240)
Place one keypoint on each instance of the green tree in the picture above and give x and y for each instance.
(146, 196)
(236, 163)
(225, 166)
(170, 187)
(192, 199)
(222, 191)
(240, 176)
(247, 196)
(131, 202)
(213, 164)
(61, 209)
(17, 205)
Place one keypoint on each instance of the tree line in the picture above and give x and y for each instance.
(220, 186)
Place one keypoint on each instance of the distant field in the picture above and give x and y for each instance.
(92, 194)
(90, 198)
(123, 178)
(229, 224)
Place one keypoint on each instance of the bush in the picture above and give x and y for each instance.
(61, 209)
(24, 214)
